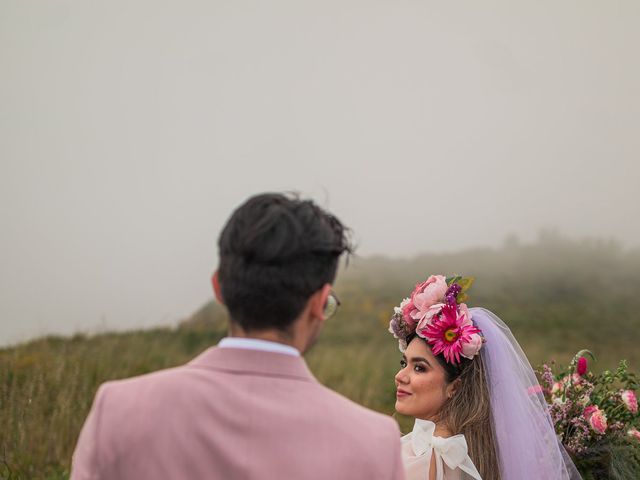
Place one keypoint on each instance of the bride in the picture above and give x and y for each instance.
(480, 412)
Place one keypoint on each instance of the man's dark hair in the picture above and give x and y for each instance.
(275, 252)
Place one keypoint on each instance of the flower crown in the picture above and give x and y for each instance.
(435, 312)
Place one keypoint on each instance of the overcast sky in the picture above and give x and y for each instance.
(130, 130)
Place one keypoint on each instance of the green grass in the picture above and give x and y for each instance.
(47, 386)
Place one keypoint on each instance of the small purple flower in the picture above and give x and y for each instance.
(547, 376)
(454, 289)
(398, 326)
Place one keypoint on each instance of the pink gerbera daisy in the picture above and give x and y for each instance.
(448, 333)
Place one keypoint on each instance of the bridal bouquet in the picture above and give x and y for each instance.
(596, 417)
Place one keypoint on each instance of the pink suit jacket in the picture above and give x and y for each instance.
(233, 414)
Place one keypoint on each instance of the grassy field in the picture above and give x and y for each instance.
(557, 296)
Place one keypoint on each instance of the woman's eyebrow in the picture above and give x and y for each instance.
(420, 359)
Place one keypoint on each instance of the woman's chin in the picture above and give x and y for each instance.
(401, 409)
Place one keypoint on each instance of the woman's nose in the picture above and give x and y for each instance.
(401, 376)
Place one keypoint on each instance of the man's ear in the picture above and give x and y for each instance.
(318, 301)
(216, 287)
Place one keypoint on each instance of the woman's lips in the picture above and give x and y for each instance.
(402, 393)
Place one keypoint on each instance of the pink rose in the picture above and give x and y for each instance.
(556, 388)
(418, 288)
(425, 318)
(464, 311)
(634, 433)
(630, 400)
(429, 292)
(406, 307)
(471, 348)
(588, 411)
(597, 420)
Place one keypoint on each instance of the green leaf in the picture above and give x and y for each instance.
(465, 283)
(451, 280)
(461, 298)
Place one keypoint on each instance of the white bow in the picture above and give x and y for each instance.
(452, 451)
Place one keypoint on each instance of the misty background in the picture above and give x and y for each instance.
(129, 131)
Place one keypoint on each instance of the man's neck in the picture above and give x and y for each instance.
(276, 336)
(257, 344)
(301, 334)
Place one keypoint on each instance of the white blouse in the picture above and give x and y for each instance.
(451, 454)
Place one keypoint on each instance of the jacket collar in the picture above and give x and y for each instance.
(244, 361)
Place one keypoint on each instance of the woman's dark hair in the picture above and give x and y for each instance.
(275, 252)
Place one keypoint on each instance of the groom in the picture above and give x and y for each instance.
(248, 408)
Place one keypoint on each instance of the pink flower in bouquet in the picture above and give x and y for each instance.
(448, 334)
(634, 433)
(596, 418)
(571, 380)
(589, 411)
(581, 368)
(556, 388)
(428, 293)
(578, 382)
(630, 400)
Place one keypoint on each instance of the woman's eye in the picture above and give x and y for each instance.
(403, 363)
(419, 368)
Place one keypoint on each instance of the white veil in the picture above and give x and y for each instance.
(528, 448)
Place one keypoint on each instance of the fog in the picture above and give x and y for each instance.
(130, 130)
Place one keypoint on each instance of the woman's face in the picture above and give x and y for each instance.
(421, 384)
